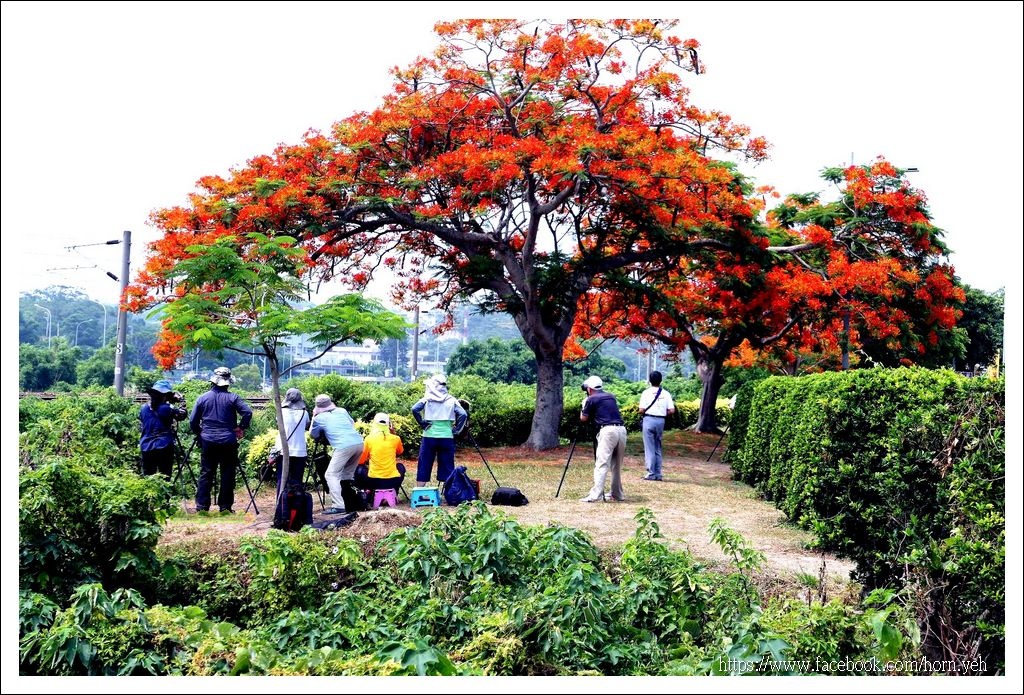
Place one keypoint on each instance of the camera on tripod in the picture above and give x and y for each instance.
(179, 407)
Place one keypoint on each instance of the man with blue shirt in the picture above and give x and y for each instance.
(219, 418)
(336, 426)
(157, 421)
(603, 410)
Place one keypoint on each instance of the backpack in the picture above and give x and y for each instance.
(509, 497)
(459, 488)
(295, 508)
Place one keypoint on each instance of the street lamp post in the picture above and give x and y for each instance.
(104, 320)
(49, 317)
(76, 329)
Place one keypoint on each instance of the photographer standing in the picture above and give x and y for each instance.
(157, 421)
(215, 420)
(603, 409)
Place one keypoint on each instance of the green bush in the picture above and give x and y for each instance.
(77, 525)
(471, 592)
(902, 471)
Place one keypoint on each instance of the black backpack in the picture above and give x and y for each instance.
(459, 488)
(295, 508)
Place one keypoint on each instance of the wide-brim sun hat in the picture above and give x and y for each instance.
(222, 377)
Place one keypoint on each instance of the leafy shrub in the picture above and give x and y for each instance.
(77, 525)
(99, 430)
(901, 470)
(468, 593)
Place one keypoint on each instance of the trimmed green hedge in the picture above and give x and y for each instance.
(901, 470)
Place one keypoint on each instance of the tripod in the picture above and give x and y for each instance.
(240, 467)
(724, 432)
(314, 478)
(477, 447)
(571, 450)
(252, 495)
(184, 458)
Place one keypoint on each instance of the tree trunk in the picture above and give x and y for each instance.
(709, 370)
(547, 413)
(275, 381)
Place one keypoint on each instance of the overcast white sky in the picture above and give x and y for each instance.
(111, 110)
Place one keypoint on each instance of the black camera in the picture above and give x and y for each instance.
(583, 387)
(178, 406)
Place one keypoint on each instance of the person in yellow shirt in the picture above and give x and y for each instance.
(381, 449)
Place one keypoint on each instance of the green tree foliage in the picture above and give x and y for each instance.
(499, 361)
(243, 292)
(594, 363)
(140, 379)
(98, 369)
(247, 377)
(71, 310)
(39, 368)
(983, 322)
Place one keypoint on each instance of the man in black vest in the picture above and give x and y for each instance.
(603, 409)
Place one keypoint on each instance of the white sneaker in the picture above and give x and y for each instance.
(588, 498)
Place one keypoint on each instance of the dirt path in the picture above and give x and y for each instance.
(693, 493)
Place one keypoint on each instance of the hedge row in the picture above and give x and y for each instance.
(902, 471)
(500, 414)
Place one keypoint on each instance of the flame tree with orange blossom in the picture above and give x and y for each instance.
(519, 165)
(869, 265)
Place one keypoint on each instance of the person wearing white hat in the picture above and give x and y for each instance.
(381, 450)
(442, 418)
(603, 409)
(219, 418)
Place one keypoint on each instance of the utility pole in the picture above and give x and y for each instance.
(122, 315)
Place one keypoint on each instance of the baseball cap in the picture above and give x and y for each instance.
(161, 386)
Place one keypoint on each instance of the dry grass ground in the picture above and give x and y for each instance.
(692, 494)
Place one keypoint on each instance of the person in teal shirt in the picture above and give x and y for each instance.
(435, 413)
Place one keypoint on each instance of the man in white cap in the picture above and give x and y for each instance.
(336, 426)
(603, 410)
(215, 420)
